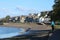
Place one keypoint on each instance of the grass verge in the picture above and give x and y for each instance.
(57, 26)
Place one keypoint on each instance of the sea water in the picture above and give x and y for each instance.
(7, 32)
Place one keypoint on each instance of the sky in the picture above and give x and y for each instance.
(24, 7)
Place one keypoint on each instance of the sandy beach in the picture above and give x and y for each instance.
(33, 26)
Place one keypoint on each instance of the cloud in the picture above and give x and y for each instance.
(25, 9)
(7, 11)
(20, 8)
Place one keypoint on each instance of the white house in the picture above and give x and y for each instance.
(22, 19)
(39, 14)
(41, 19)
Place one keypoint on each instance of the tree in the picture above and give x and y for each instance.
(56, 10)
(7, 18)
(43, 13)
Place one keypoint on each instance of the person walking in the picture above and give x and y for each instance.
(52, 25)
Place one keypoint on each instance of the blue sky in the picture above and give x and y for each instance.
(24, 7)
